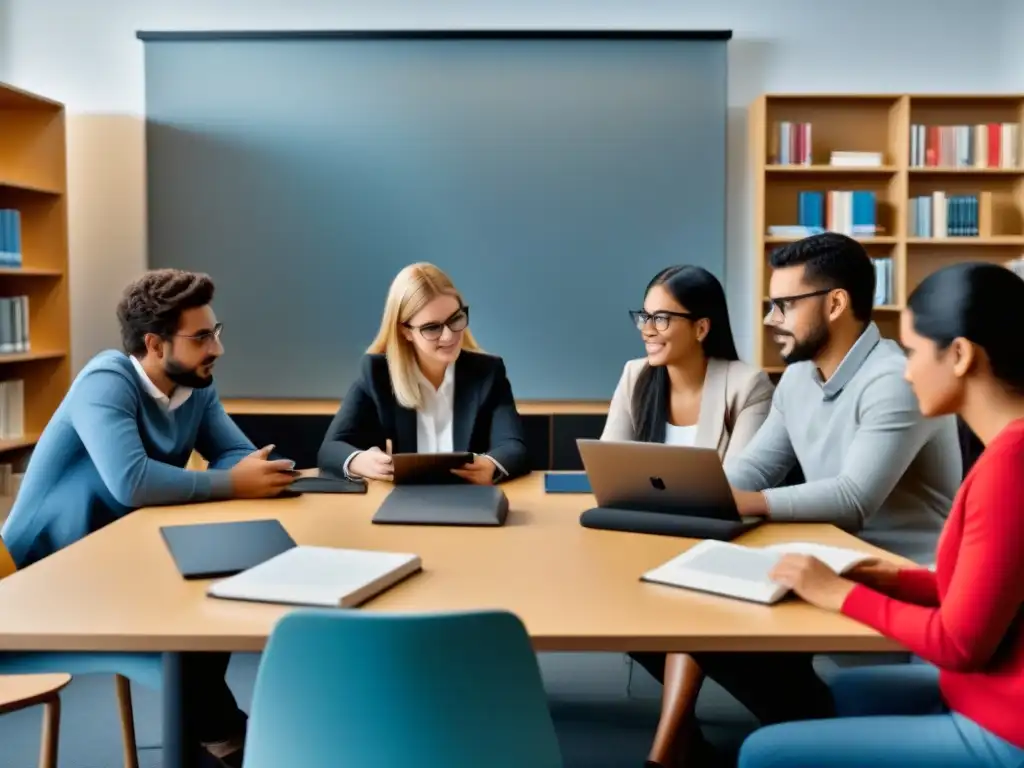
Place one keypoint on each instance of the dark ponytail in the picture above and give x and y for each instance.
(702, 294)
(980, 302)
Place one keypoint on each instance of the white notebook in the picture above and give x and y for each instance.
(736, 571)
(319, 576)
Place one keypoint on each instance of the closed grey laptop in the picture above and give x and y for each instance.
(443, 505)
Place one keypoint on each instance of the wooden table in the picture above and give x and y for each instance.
(574, 588)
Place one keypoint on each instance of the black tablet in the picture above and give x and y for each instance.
(428, 468)
(209, 550)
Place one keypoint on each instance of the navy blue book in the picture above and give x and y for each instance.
(566, 482)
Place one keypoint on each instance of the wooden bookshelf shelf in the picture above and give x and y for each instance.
(29, 272)
(993, 241)
(952, 165)
(34, 313)
(864, 240)
(27, 357)
(832, 170)
(25, 441)
(936, 171)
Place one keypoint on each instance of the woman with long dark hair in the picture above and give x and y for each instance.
(962, 708)
(691, 389)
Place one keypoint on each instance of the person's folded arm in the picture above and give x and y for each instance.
(986, 589)
(355, 427)
(507, 447)
(889, 435)
(768, 457)
(753, 413)
(219, 439)
(104, 408)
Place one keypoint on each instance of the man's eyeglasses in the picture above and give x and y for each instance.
(783, 304)
(206, 336)
(432, 331)
(661, 319)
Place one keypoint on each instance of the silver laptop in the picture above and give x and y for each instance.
(658, 488)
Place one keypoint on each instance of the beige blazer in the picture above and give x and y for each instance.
(735, 402)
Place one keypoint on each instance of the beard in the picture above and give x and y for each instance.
(808, 348)
(183, 376)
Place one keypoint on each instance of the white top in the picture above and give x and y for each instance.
(434, 419)
(178, 396)
(680, 435)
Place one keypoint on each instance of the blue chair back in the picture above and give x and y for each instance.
(349, 688)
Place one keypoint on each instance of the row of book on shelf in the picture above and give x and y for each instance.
(10, 237)
(988, 145)
(942, 215)
(853, 213)
(14, 331)
(790, 144)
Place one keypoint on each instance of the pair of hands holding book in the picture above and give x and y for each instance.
(819, 585)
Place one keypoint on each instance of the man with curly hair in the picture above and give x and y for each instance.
(121, 440)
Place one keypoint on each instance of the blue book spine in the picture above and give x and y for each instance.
(16, 238)
(6, 237)
(863, 212)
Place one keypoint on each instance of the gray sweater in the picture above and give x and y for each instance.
(873, 465)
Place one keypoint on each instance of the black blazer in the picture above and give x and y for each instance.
(485, 419)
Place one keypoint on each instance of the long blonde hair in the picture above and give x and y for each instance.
(411, 290)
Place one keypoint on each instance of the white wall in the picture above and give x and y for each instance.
(86, 54)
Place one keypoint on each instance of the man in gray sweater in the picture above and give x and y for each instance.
(872, 464)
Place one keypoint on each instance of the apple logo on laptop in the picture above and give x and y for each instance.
(658, 484)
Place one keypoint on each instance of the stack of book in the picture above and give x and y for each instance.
(10, 237)
(14, 334)
(989, 145)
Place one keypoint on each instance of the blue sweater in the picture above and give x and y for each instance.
(111, 448)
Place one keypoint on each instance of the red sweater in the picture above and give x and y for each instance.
(966, 617)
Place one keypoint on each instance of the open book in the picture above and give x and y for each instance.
(742, 572)
(319, 576)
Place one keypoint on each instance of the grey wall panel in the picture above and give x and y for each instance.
(550, 178)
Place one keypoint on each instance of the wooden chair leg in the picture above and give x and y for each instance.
(51, 733)
(124, 705)
(683, 679)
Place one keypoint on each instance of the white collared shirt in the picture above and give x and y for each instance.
(177, 398)
(434, 418)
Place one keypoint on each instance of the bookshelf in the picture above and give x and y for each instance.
(35, 335)
(922, 180)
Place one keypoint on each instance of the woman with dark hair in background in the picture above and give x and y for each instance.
(963, 708)
(691, 389)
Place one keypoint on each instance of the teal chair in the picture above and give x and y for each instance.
(348, 688)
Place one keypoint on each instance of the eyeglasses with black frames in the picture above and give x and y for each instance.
(661, 319)
(782, 304)
(432, 331)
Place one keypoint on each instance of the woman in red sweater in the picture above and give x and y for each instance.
(962, 331)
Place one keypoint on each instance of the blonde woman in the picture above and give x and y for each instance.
(426, 387)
